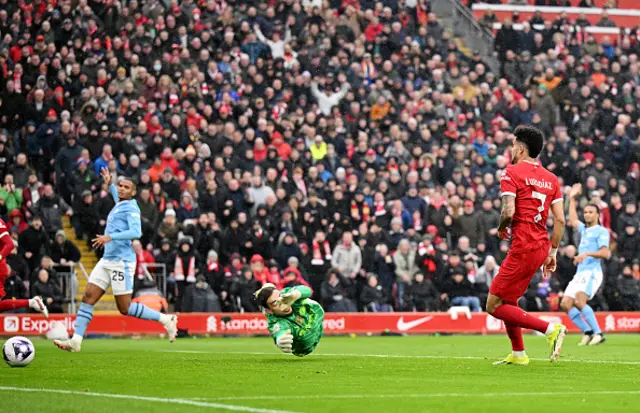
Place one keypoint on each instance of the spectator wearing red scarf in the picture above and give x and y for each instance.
(234, 269)
(214, 273)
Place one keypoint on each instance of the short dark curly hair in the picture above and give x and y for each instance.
(594, 206)
(530, 137)
(263, 296)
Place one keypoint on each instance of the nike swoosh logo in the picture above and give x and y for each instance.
(405, 326)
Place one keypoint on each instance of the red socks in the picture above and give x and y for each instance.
(10, 304)
(514, 316)
(515, 335)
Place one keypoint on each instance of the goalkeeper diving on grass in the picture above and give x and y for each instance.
(295, 321)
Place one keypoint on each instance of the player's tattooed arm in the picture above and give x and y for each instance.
(559, 223)
(508, 209)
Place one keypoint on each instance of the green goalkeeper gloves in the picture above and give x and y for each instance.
(290, 297)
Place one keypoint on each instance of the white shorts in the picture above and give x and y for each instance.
(587, 281)
(118, 274)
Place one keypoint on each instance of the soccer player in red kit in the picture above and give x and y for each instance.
(528, 192)
(6, 246)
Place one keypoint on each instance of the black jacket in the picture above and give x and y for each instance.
(200, 300)
(47, 290)
(51, 211)
(386, 271)
(14, 288)
(66, 250)
(376, 295)
(79, 181)
(87, 214)
(66, 160)
(284, 252)
(18, 265)
(261, 245)
(233, 240)
(463, 289)
(244, 290)
(35, 242)
(422, 295)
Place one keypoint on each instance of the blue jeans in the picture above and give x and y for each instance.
(379, 308)
(401, 287)
(472, 302)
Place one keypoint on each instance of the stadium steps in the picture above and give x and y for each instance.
(89, 261)
(462, 47)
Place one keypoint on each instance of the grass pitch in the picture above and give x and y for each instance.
(365, 374)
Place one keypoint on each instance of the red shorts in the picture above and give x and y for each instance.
(516, 273)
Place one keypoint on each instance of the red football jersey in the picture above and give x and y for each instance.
(535, 190)
(5, 241)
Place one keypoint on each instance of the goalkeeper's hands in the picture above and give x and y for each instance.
(290, 297)
(285, 342)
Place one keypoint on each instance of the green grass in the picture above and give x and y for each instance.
(344, 375)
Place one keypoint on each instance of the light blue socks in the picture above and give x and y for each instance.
(576, 317)
(143, 312)
(83, 318)
(590, 317)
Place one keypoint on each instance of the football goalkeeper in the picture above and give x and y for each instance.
(295, 321)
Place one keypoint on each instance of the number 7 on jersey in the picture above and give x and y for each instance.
(542, 197)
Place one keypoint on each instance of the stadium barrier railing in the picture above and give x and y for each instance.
(598, 33)
(465, 26)
(622, 18)
(157, 272)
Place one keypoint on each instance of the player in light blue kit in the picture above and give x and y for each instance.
(594, 247)
(117, 266)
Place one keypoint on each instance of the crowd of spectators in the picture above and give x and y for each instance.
(608, 4)
(346, 145)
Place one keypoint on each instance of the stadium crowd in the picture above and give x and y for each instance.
(347, 145)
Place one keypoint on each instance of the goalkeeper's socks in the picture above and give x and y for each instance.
(590, 316)
(11, 304)
(83, 318)
(576, 317)
(143, 312)
(516, 316)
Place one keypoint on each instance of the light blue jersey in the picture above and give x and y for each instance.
(591, 240)
(124, 226)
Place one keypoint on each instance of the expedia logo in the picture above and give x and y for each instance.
(11, 324)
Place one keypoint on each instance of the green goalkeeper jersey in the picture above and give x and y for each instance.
(305, 322)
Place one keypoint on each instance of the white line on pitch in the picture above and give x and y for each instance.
(401, 356)
(426, 395)
(187, 402)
